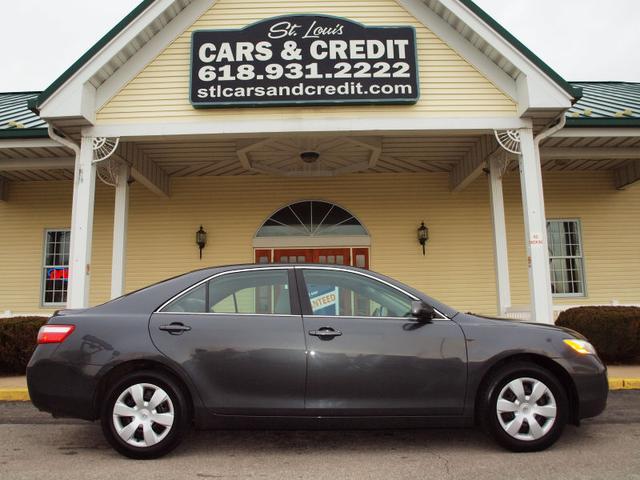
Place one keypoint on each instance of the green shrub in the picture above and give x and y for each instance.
(613, 331)
(18, 340)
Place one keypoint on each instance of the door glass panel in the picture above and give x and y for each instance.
(194, 301)
(265, 292)
(336, 293)
(360, 261)
(333, 256)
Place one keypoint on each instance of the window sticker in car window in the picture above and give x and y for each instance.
(324, 299)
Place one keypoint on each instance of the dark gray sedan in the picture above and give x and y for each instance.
(307, 346)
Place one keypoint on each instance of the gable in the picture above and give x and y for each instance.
(449, 85)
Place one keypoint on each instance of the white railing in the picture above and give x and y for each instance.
(524, 312)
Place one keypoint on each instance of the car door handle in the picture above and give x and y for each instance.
(326, 333)
(175, 328)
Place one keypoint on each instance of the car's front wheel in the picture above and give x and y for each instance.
(524, 407)
(145, 415)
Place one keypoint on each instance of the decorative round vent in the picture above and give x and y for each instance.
(104, 147)
(509, 140)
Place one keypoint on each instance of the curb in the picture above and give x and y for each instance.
(624, 383)
(14, 395)
(22, 394)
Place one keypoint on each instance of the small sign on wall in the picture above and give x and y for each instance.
(302, 60)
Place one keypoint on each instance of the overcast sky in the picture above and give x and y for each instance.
(580, 39)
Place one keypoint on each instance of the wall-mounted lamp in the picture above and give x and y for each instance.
(423, 237)
(201, 239)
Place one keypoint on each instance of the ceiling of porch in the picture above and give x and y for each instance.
(338, 155)
(588, 153)
(281, 155)
(36, 163)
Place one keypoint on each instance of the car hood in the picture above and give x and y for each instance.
(525, 324)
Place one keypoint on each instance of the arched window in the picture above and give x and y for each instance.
(311, 219)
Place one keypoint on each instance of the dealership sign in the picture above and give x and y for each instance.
(304, 59)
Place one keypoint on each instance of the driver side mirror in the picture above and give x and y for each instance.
(422, 311)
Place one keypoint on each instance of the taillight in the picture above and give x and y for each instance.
(54, 333)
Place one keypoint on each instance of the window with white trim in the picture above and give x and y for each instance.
(55, 275)
(566, 260)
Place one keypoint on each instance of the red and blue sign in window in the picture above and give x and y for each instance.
(58, 273)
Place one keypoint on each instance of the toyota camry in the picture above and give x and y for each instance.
(307, 346)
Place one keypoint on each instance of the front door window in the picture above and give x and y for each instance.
(341, 293)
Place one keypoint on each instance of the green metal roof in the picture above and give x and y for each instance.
(16, 120)
(603, 104)
(36, 102)
(606, 104)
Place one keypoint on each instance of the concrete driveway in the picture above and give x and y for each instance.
(35, 446)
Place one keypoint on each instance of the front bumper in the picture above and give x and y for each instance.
(589, 376)
(592, 392)
(62, 389)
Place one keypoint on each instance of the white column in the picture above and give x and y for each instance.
(501, 255)
(84, 184)
(535, 229)
(120, 218)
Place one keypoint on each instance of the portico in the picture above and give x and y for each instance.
(277, 156)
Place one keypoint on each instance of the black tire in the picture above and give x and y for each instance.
(491, 421)
(176, 399)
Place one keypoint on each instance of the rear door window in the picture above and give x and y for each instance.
(194, 301)
(249, 292)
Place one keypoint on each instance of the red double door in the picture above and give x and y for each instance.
(358, 257)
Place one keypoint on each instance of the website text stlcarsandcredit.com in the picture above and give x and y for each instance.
(347, 89)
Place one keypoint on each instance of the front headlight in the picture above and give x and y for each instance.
(580, 346)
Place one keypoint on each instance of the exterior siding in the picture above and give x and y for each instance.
(458, 268)
(34, 207)
(449, 85)
(610, 235)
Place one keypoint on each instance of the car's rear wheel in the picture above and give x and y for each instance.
(524, 407)
(145, 415)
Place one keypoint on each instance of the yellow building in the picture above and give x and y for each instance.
(330, 132)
